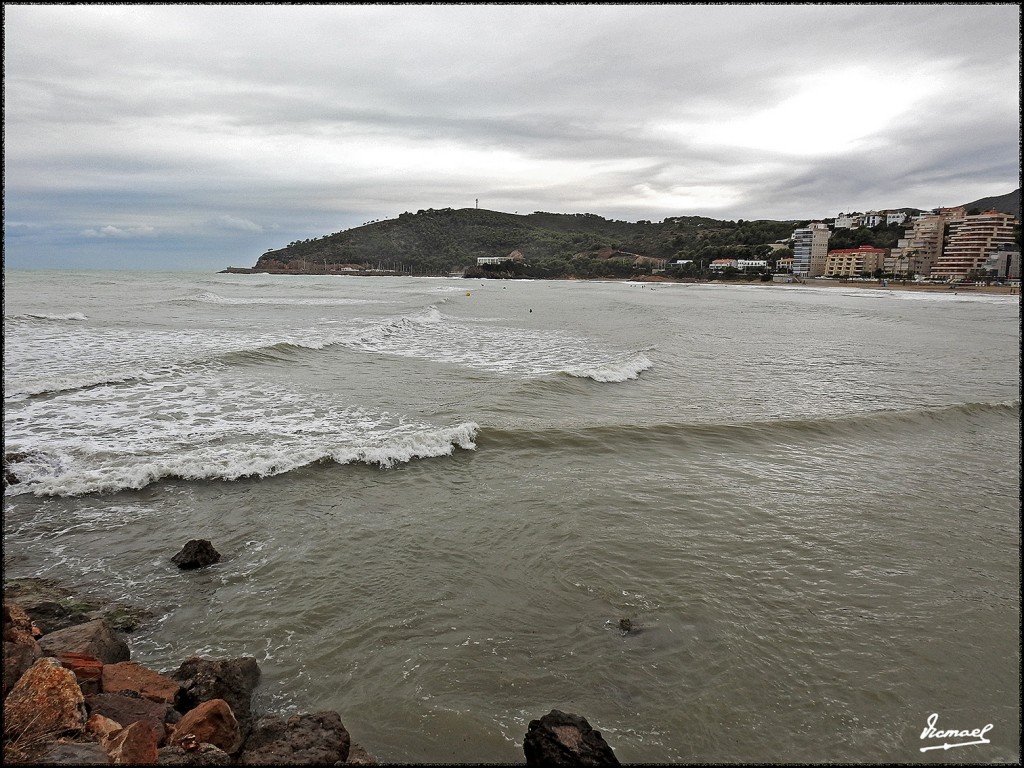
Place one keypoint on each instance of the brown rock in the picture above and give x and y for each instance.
(316, 739)
(357, 755)
(45, 701)
(134, 745)
(17, 661)
(212, 722)
(127, 675)
(126, 709)
(88, 670)
(101, 727)
(17, 625)
(94, 638)
(562, 739)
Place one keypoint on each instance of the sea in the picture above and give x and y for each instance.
(440, 502)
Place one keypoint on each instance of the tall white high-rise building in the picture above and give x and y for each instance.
(810, 250)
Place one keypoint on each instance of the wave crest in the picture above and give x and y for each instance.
(45, 474)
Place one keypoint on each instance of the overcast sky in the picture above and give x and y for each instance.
(197, 137)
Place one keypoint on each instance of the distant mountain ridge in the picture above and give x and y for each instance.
(1008, 203)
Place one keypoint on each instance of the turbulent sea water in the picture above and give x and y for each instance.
(436, 498)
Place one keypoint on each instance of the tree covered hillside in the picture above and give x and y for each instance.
(553, 244)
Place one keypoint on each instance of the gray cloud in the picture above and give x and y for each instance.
(220, 131)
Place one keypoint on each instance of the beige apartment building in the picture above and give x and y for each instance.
(971, 241)
(918, 252)
(855, 262)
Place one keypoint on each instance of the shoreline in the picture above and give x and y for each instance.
(1004, 290)
(890, 285)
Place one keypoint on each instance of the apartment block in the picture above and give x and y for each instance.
(810, 250)
(971, 241)
(919, 250)
(854, 262)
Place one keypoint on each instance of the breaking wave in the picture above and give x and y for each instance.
(76, 317)
(208, 297)
(510, 351)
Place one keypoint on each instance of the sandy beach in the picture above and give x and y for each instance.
(900, 285)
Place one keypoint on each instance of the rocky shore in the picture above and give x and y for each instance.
(73, 696)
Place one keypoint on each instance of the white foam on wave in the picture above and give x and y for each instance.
(624, 369)
(76, 317)
(199, 427)
(208, 297)
(519, 352)
(49, 360)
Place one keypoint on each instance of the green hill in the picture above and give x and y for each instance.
(1008, 203)
(438, 241)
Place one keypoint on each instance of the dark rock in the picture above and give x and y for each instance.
(51, 616)
(198, 553)
(565, 739)
(14, 457)
(629, 627)
(28, 591)
(51, 607)
(126, 618)
(18, 658)
(126, 709)
(94, 638)
(74, 753)
(316, 739)
(357, 755)
(200, 754)
(233, 680)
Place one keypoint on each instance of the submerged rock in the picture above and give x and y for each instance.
(565, 739)
(629, 627)
(14, 457)
(198, 553)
